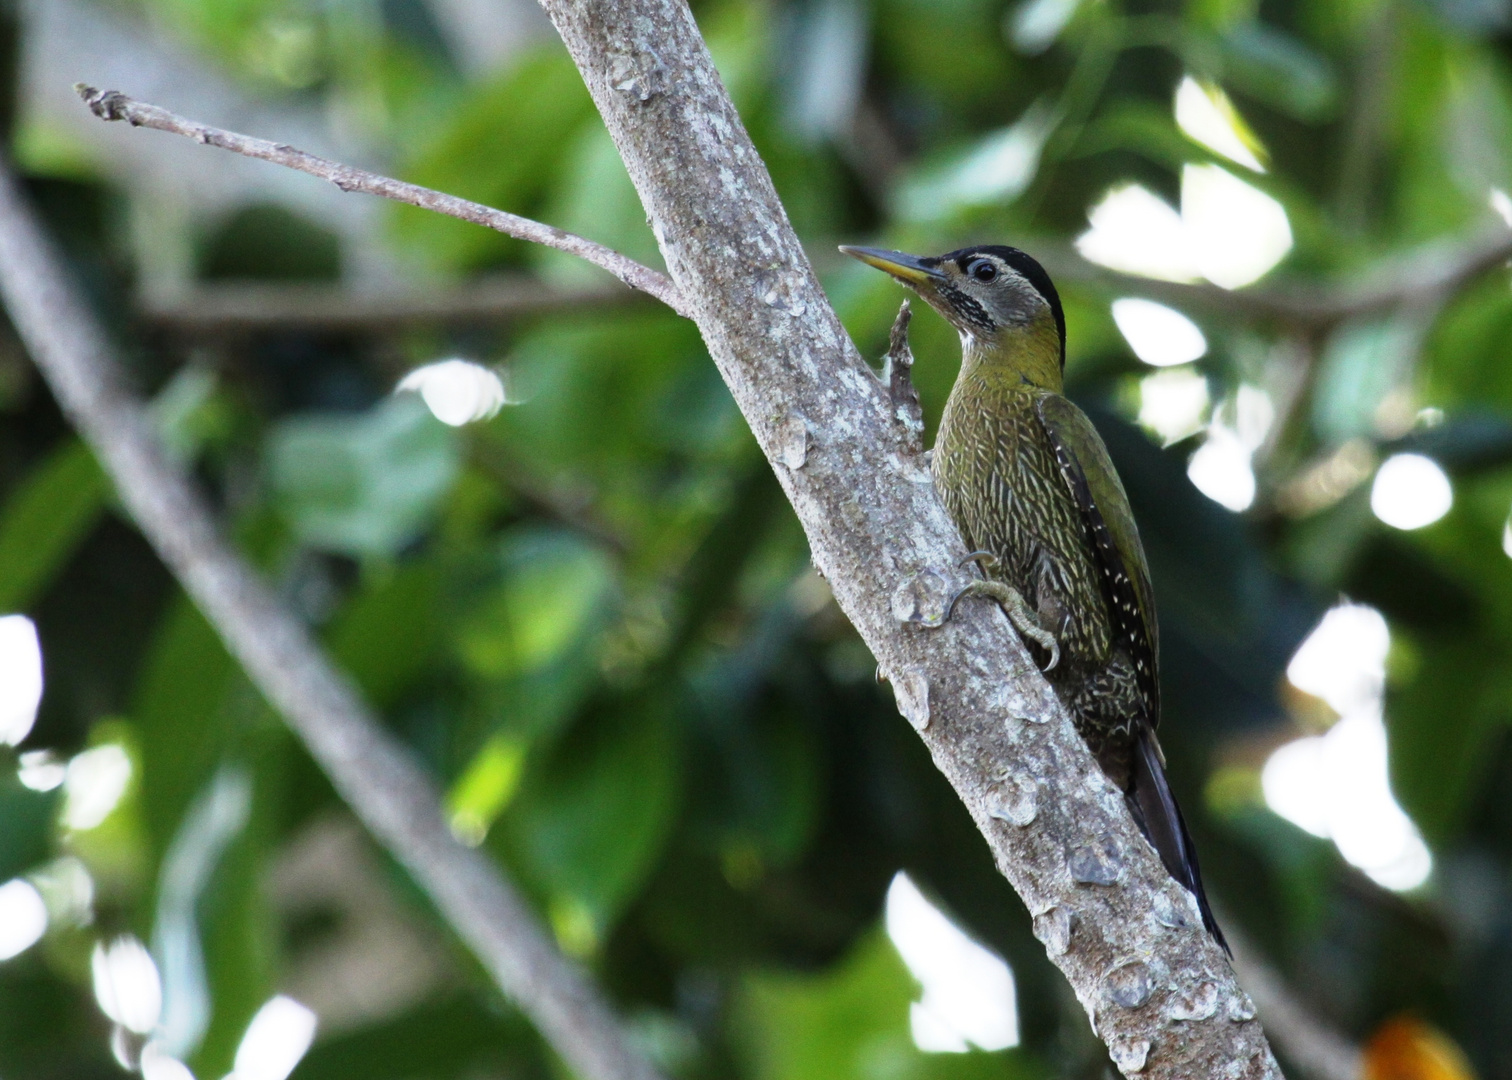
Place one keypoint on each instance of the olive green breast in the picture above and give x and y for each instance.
(996, 470)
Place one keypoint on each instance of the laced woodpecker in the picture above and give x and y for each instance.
(1029, 484)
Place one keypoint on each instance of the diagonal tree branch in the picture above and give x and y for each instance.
(1157, 989)
(111, 105)
(375, 775)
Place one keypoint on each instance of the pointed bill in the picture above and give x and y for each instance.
(909, 269)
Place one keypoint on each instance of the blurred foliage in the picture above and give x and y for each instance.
(594, 618)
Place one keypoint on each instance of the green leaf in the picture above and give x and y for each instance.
(26, 825)
(553, 586)
(1362, 363)
(852, 1023)
(503, 148)
(362, 485)
(458, 1037)
(43, 523)
(213, 822)
(592, 818)
(389, 633)
(1275, 67)
(234, 913)
(179, 713)
(1438, 752)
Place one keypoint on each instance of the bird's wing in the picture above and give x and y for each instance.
(1089, 474)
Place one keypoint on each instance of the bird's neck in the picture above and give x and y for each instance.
(1025, 355)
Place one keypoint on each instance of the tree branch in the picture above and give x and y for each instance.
(111, 105)
(1157, 989)
(376, 775)
(1317, 1050)
(1434, 271)
(208, 310)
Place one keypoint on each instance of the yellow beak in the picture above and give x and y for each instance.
(909, 269)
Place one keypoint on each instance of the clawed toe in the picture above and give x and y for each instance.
(1046, 640)
(1013, 605)
(985, 559)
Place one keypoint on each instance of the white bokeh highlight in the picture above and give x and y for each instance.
(1035, 24)
(126, 983)
(157, 1064)
(969, 996)
(20, 677)
(1160, 336)
(1336, 785)
(1207, 116)
(23, 917)
(67, 890)
(1410, 491)
(41, 770)
(1227, 231)
(94, 784)
(1173, 404)
(1501, 205)
(457, 392)
(1137, 232)
(1222, 468)
(1237, 232)
(278, 1036)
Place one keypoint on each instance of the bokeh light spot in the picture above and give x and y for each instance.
(1205, 113)
(126, 983)
(1220, 469)
(94, 784)
(1236, 231)
(23, 917)
(276, 1040)
(1410, 491)
(969, 995)
(20, 678)
(457, 392)
(1159, 335)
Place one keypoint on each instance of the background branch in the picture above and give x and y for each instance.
(111, 105)
(1157, 989)
(376, 776)
(1436, 270)
(1317, 1050)
(218, 309)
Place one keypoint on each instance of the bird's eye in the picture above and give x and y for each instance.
(983, 270)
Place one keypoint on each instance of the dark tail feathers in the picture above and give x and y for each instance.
(1159, 818)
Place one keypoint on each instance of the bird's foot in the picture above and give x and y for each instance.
(1019, 613)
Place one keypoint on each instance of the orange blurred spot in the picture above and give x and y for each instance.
(1406, 1048)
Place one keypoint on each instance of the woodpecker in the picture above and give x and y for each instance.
(1029, 484)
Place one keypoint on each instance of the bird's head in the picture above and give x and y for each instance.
(1000, 300)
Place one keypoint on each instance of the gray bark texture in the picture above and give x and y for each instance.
(1158, 991)
(376, 775)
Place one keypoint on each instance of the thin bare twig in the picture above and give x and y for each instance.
(216, 310)
(113, 105)
(377, 776)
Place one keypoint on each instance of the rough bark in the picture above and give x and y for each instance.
(1159, 992)
(376, 775)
